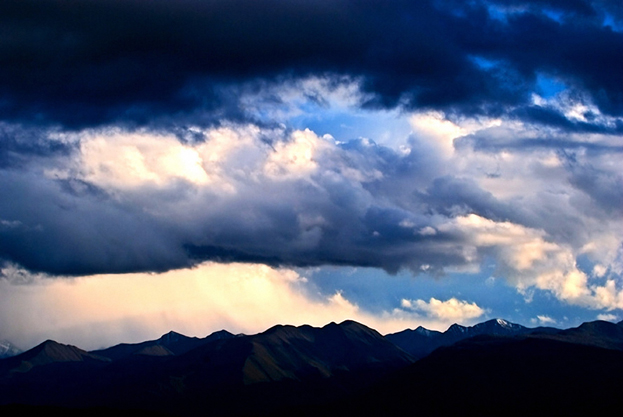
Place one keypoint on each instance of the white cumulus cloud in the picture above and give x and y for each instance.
(451, 310)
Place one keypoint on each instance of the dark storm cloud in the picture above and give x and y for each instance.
(80, 63)
(452, 196)
(18, 145)
(499, 139)
(577, 50)
(71, 228)
(67, 227)
(551, 117)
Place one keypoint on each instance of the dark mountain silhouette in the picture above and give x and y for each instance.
(494, 376)
(283, 365)
(421, 342)
(171, 343)
(46, 353)
(595, 333)
(288, 352)
(495, 368)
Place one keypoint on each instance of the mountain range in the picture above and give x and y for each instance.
(421, 342)
(492, 368)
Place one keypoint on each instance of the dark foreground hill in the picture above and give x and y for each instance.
(496, 376)
(495, 368)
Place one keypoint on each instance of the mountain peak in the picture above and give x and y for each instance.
(507, 324)
(289, 352)
(172, 334)
(352, 324)
(49, 352)
(421, 341)
(171, 343)
(171, 337)
(502, 322)
(498, 325)
(456, 328)
(219, 335)
(54, 349)
(600, 326)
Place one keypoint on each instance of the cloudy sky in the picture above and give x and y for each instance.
(204, 164)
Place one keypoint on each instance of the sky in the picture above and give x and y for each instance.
(197, 165)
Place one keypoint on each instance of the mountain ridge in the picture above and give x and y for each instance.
(173, 342)
(288, 367)
(420, 342)
(46, 353)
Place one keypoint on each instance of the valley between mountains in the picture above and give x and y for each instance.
(492, 368)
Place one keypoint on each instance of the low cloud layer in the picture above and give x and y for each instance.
(103, 310)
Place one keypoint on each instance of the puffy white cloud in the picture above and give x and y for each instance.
(544, 320)
(607, 317)
(450, 311)
(229, 158)
(120, 160)
(526, 259)
(296, 158)
(440, 132)
(520, 248)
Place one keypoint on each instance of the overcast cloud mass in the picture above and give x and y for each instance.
(458, 150)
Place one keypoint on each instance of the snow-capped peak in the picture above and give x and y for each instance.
(8, 349)
(504, 323)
